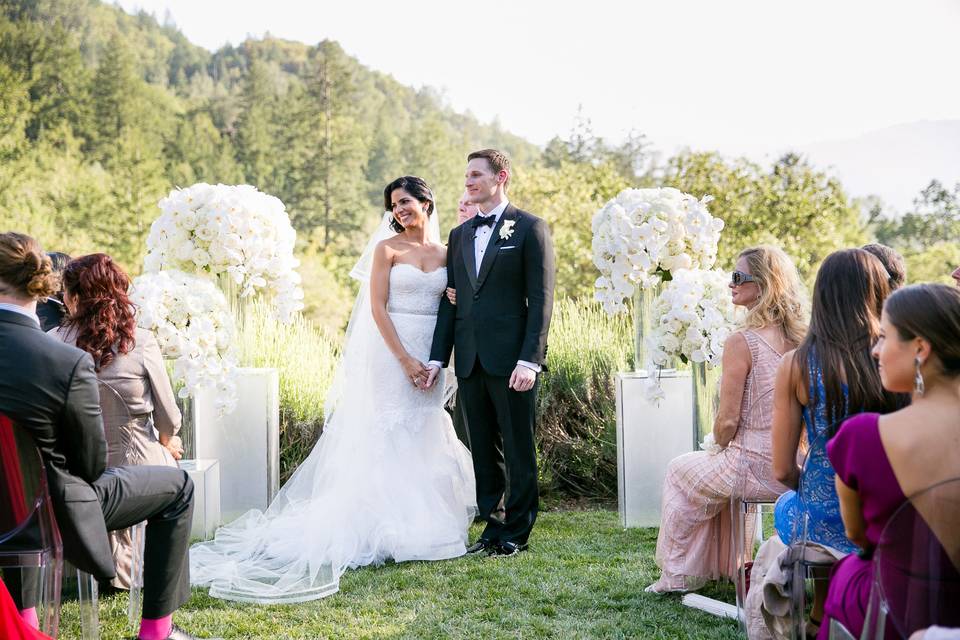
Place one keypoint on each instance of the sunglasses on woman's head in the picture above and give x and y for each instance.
(739, 277)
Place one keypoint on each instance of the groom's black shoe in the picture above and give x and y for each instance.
(506, 549)
(482, 547)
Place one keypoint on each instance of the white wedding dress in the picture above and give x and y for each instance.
(388, 478)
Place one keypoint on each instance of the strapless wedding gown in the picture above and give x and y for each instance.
(387, 480)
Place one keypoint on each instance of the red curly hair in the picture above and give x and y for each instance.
(103, 320)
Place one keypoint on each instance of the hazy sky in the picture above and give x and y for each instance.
(742, 76)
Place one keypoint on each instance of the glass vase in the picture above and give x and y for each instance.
(706, 399)
(643, 323)
(188, 424)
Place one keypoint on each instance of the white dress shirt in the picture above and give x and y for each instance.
(481, 235)
(481, 240)
(9, 306)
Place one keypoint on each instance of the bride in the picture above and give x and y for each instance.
(388, 478)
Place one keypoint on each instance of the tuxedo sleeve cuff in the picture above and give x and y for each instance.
(435, 363)
(530, 365)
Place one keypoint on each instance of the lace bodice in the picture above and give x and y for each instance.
(414, 291)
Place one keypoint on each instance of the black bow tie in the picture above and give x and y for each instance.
(483, 221)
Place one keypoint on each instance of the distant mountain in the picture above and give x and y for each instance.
(894, 163)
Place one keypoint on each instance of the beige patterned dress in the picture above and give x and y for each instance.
(695, 543)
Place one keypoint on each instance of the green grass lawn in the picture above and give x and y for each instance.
(582, 578)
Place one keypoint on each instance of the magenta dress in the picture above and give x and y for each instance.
(860, 461)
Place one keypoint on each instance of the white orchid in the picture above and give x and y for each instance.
(193, 325)
(237, 230)
(642, 235)
(695, 315)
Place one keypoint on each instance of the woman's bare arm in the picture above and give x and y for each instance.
(736, 367)
(379, 292)
(787, 423)
(851, 511)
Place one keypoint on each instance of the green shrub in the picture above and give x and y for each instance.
(305, 357)
(576, 404)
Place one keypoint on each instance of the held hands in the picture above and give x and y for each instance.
(416, 372)
(522, 379)
(434, 371)
(452, 295)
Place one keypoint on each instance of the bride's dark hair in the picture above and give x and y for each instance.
(414, 186)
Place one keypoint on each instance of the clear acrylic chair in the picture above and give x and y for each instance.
(754, 496)
(118, 428)
(753, 501)
(805, 568)
(29, 538)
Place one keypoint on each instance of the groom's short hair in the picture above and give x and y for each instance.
(498, 161)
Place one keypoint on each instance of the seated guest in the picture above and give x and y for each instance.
(51, 309)
(50, 389)
(101, 322)
(891, 261)
(880, 460)
(695, 541)
(830, 376)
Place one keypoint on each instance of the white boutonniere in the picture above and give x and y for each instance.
(507, 229)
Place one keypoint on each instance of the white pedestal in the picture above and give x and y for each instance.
(648, 437)
(206, 496)
(246, 442)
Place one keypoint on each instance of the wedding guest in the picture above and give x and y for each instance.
(879, 460)
(50, 389)
(465, 209)
(127, 358)
(891, 261)
(956, 276)
(828, 377)
(695, 541)
(51, 310)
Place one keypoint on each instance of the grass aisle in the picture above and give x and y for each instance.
(583, 578)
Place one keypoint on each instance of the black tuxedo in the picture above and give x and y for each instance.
(50, 389)
(502, 316)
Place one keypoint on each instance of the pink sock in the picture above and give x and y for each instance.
(157, 629)
(30, 617)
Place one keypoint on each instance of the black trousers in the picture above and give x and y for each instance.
(163, 496)
(501, 425)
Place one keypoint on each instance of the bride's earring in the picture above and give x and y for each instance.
(918, 379)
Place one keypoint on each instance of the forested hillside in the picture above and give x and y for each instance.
(102, 113)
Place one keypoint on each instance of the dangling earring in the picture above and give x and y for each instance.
(918, 379)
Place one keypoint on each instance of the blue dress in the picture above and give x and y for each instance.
(819, 491)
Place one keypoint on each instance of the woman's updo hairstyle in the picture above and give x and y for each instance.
(25, 270)
(414, 186)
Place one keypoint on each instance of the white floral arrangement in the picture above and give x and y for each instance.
(695, 316)
(642, 236)
(235, 230)
(194, 326)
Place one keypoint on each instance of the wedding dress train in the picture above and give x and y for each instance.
(388, 478)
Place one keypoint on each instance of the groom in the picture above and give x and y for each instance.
(501, 265)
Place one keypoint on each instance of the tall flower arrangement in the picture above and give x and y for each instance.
(642, 236)
(695, 315)
(194, 326)
(233, 231)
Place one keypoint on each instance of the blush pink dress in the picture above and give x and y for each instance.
(695, 543)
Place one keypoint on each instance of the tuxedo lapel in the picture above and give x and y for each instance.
(490, 255)
(469, 256)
